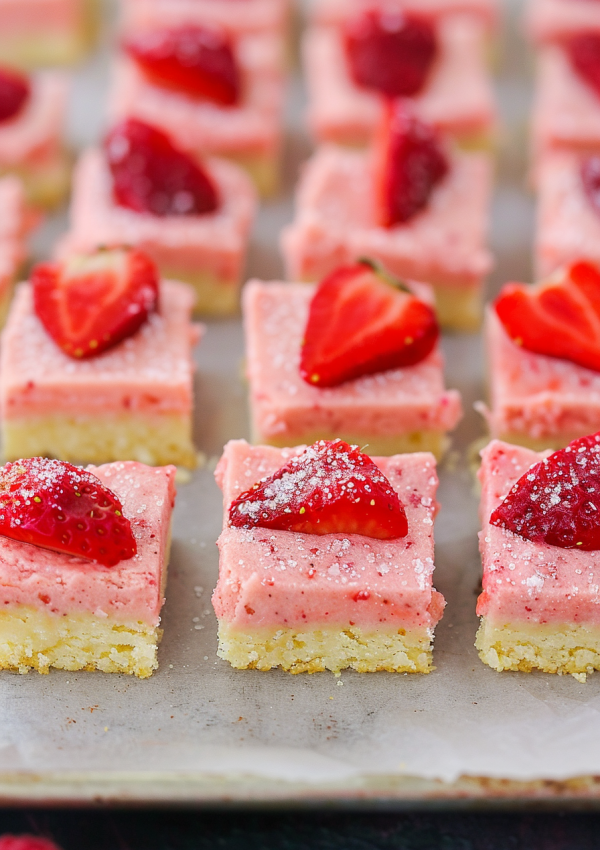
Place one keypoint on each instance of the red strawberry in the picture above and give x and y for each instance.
(362, 321)
(198, 61)
(91, 302)
(390, 51)
(583, 51)
(559, 317)
(57, 506)
(14, 93)
(26, 842)
(557, 501)
(151, 175)
(331, 488)
(410, 162)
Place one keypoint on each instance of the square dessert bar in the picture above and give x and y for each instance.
(445, 244)
(535, 400)
(567, 226)
(206, 251)
(540, 606)
(337, 11)
(133, 401)
(60, 611)
(249, 16)
(38, 33)
(552, 20)
(31, 143)
(400, 410)
(457, 98)
(566, 112)
(308, 602)
(250, 133)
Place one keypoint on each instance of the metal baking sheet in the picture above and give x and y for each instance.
(200, 732)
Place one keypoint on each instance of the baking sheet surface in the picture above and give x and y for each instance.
(196, 716)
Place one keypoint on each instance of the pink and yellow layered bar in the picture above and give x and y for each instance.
(134, 401)
(399, 410)
(307, 603)
(567, 227)
(566, 111)
(60, 611)
(206, 251)
(238, 16)
(457, 97)
(37, 33)
(553, 20)
(540, 605)
(537, 401)
(445, 244)
(31, 143)
(250, 133)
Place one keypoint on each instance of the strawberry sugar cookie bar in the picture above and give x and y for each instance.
(37, 33)
(83, 565)
(227, 102)
(327, 561)
(440, 65)
(544, 359)
(556, 20)
(540, 548)
(96, 363)
(194, 222)
(412, 204)
(32, 115)
(380, 385)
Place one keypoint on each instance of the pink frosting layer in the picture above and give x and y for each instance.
(535, 395)
(214, 243)
(524, 581)
(336, 11)
(394, 402)
(567, 109)
(568, 229)
(336, 222)
(253, 127)
(457, 98)
(36, 132)
(130, 591)
(549, 20)
(236, 15)
(150, 372)
(20, 17)
(279, 578)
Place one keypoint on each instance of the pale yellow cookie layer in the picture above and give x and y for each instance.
(35, 640)
(46, 182)
(314, 650)
(562, 648)
(264, 169)
(214, 296)
(45, 48)
(435, 442)
(101, 438)
(458, 309)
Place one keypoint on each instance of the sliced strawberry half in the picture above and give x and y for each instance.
(15, 91)
(409, 163)
(559, 317)
(557, 501)
(331, 488)
(583, 51)
(362, 321)
(58, 506)
(391, 51)
(151, 175)
(197, 61)
(90, 303)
